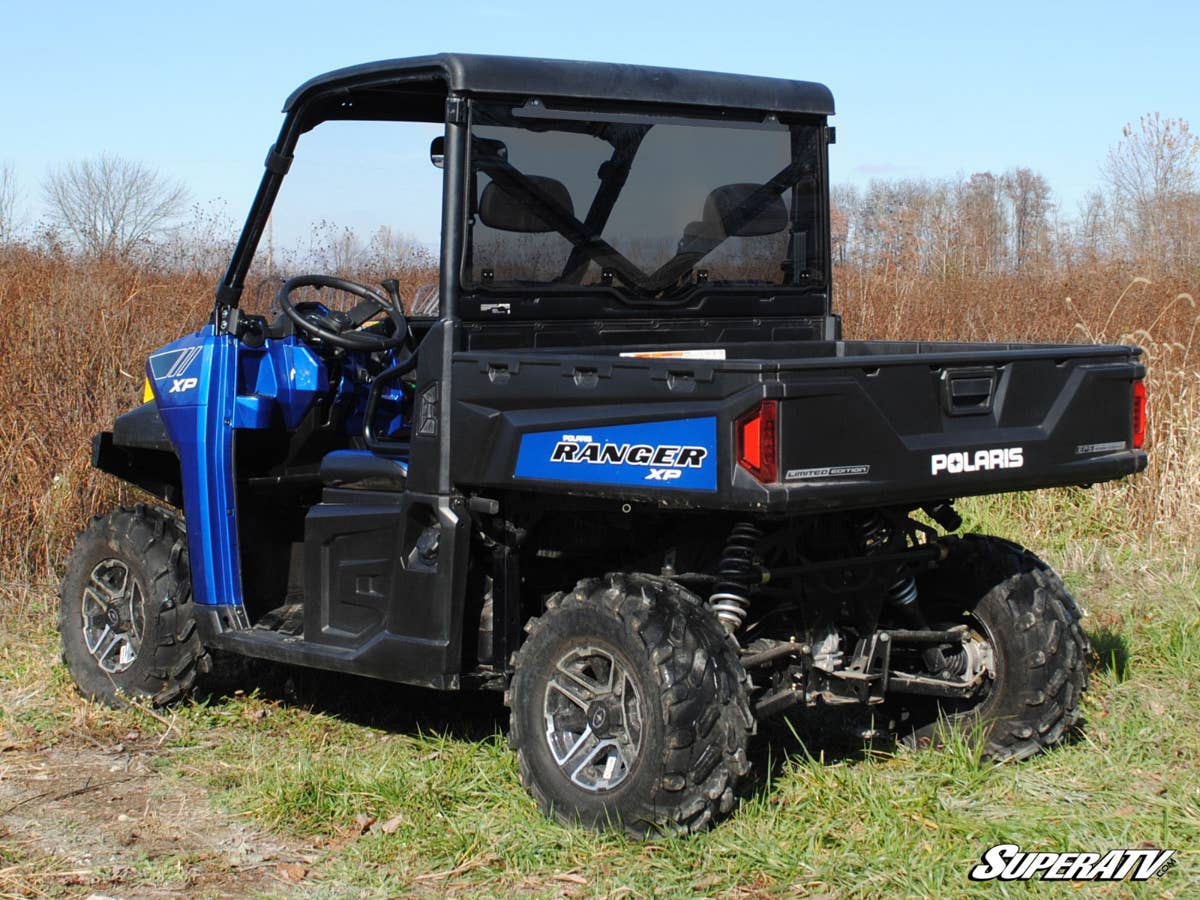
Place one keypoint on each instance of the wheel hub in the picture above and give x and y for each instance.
(981, 659)
(592, 711)
(114, 615)
(598, 718)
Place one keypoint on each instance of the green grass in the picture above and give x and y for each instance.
(306, 755)
(869, 825)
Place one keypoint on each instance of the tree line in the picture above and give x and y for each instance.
(1146, 212)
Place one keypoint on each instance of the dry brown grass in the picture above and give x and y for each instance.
(75, 337)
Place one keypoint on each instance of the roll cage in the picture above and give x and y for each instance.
(438, 89)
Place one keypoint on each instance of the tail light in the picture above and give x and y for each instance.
(1139, 414)
(756, 441)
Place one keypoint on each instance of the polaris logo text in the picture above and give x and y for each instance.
(977, 461)
(1007, 862)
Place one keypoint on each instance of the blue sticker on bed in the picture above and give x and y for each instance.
(679, 455)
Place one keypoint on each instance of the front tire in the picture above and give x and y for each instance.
(1038, 670)
(125, 615)
(630, 708)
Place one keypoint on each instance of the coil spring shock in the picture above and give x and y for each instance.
(903, 592)
(737, 575)
(956, 663)
(875, 535)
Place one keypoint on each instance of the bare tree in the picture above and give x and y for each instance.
(886, 223)
(1029, 194)
(1091, 232)
(941, 213)
(844, 202)
(1152, 180)
(8, 203)
(111, 205)
(983, 223)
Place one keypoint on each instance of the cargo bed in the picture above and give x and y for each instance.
(856, 423)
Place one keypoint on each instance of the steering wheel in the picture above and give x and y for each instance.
(340, 329)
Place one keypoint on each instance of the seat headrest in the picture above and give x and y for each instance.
(725, 207)
(514, 212)
(700, 237)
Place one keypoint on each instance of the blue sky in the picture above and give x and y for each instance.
(922, 89)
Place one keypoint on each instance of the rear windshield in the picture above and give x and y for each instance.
(651, 207)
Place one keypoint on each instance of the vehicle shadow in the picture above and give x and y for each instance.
(1110, 650)
(824, 735)
(480, 715)
(397, 708)
(829, 736)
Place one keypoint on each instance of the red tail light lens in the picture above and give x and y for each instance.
(1139, 414)
(756, 439)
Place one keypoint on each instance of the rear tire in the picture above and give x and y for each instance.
(1040, 652)
(125, 615)
(648, 664)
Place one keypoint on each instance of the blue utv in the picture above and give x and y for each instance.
(618, 463)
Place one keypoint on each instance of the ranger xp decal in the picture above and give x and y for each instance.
(681, 454)
(173, 370)
(174, 363)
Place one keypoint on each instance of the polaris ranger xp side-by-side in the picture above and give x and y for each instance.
(618, 462)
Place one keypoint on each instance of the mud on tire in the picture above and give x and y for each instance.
(1040, 650)
(682, 753)
(126, 615)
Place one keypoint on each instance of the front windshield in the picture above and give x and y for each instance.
(653, 207)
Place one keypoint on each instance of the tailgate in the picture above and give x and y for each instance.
(897, 429)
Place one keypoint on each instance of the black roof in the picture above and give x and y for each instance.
(479, 74)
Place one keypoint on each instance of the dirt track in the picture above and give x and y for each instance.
(86, 819)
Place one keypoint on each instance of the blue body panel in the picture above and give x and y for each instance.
(676, 455)
(208, 386)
